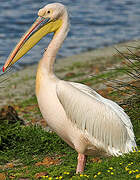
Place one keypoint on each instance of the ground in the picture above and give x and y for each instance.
(28, 151)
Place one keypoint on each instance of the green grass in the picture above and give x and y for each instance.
(28, 109)
(100, 62)
(30, 101)
(79, 71)
(31, 144)
(133, 109)
(108, 74)
(24, 146)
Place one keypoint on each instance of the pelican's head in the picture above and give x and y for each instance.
(50, 20)
(52, 11)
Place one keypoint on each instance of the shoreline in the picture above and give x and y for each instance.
(98, 53)
(21, 84)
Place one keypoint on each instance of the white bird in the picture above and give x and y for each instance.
(88, 122)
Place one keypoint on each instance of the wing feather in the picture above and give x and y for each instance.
(102, 119)
(114, 106)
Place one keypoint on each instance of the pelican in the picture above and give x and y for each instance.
(86, 121)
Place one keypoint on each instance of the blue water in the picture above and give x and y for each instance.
(94, 24)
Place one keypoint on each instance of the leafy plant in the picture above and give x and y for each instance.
(132, 69)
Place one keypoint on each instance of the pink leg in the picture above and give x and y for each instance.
(81, 163)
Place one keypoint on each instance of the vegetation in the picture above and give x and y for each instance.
(27, 151)
(30, 152)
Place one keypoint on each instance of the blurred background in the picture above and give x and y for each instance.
(94, 24)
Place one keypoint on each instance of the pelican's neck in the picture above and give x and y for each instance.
(58, 38)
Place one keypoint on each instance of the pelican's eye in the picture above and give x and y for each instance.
(49, 12)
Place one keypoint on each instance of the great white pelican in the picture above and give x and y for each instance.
(88, 122)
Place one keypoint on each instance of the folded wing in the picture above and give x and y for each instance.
(103, 120)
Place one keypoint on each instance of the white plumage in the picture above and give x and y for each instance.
(104, 122)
